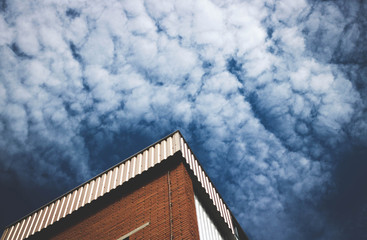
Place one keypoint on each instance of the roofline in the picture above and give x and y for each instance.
(121, 173)
(91, 179)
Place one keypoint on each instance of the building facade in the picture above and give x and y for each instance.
(162, 192)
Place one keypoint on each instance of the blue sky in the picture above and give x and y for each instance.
(271, 95)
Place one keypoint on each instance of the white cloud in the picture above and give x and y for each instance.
(71, 81)
(26, 38)
(7, 33)
(98, 48)
(321, 83)
(299, 79)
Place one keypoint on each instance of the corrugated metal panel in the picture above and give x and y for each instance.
(110, 179)
(7, 235)
(205, 182)
(4, 234)
(93, 189)
(207, 229)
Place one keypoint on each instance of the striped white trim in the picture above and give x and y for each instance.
(112, 178)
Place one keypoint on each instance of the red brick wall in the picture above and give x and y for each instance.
(145, 202)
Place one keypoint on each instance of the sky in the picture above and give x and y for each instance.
(270, 95)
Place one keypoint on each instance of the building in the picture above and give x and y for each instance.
(161, 192)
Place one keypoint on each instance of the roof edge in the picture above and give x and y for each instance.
(91, 179)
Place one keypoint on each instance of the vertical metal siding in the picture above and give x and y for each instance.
(15, 231)
(31, 221)
(88, 193)
(157, 153)
(19, 230)
(120, 175)
(83, 196)
(4, 234)
(95, 189)
(109, 186)
(103, 185)
(10, 233)
(110, 179)
(25, 226)
(36, 222)
(67, 205)
(42, 220)
(207, 229)
(49, 215)
(114, 177)
(59, 211)
(70, 203)
(79, 199)
(151, 157)
(205, 182)
(53, 215)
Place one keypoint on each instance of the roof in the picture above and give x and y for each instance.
(110, 179)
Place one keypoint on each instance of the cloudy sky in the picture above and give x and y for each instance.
(271, 95)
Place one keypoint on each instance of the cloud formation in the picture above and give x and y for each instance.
(270, 91)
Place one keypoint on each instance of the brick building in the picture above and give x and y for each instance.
(162, 192)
